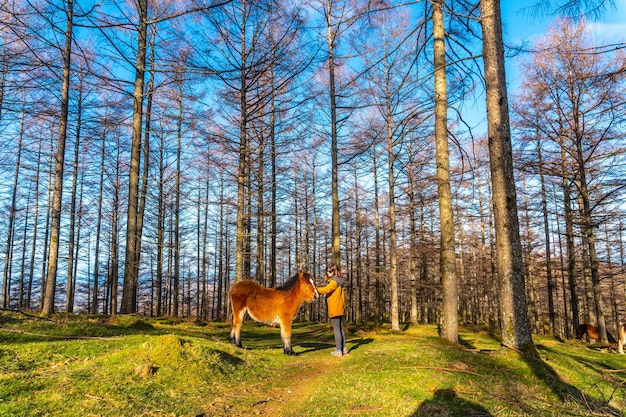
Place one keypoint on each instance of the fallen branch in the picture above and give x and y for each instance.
(436, 368)
(269, 399)
(33, 316)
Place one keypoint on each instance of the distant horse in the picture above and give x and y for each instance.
(621, 338)
(271, 306)
(592, 331)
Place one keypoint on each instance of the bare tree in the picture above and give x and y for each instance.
(515, 324)
(55, 231)
(449, 320)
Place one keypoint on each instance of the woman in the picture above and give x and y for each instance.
(336, 304)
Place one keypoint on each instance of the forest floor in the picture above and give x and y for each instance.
(81, 365)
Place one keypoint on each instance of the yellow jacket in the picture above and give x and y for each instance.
(335, 298)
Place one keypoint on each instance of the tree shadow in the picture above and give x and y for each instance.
(225, 357)
(446, 402)
(356, 344)
(351, 344)
(466, 343)
(564, 391)
(314, 346)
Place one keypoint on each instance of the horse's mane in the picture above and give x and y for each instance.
(289, 284)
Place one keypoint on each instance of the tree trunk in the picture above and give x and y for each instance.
(33, 250)
(160, 230)
(22, 287)
(131, 266)
(590, 241)
(546, 226)
(55, 231)
(8, 255)
(143, 191)
(450, 304)
(223, 251)
(378, 274)
(69, 298)
(569, 241)
(413, 244)
(114, 261)
(393, 250)
(44, 267)
(96, 269)
(204, 312)
(260, 214)
(335, 222)
(566, 324)
(515, 324)
(358, 232)
(177, 254)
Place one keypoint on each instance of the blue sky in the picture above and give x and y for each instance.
(520, 27)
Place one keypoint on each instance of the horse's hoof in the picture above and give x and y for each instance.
(289, 352)
(234, 342)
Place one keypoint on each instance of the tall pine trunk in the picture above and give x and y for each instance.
(335, 222)
(96, 268)
(177, 254)
(546, 225)
(33, 250)
(69, 300)
(131, 265)
(450, 307)
(55, 231)
(515, 323)
(8, 255)
(393, 250)
(243, 153)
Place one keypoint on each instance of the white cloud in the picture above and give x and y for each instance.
(608, 32)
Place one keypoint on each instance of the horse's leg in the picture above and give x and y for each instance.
(235, 332)
(285, 334)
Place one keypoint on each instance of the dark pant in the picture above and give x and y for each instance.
(340, 336)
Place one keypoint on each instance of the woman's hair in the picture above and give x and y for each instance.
(332, 269)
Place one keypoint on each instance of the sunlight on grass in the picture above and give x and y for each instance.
(133, 366)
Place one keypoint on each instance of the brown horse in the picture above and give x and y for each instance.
(592, 331)
(271, 306)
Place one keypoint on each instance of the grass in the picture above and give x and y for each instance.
(132, 366)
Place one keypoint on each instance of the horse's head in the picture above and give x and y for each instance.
(307, 286)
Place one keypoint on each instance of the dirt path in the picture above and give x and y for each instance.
(302, 378)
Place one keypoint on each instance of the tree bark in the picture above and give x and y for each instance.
(450, 304)
(8, 255)
(177, 253)
(35, 230)
(96, 268)
(546, 225)
(55, 231)
(393, 250)
(335, 219)
(131, 265)
(69, 300)
(243, 153)
(515, 324)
